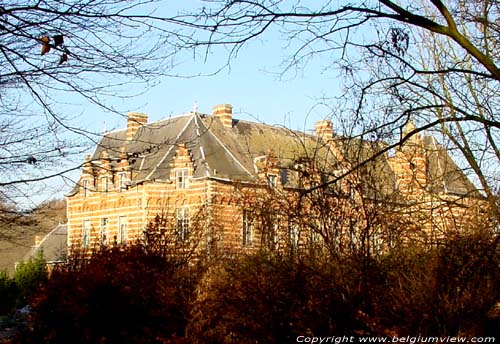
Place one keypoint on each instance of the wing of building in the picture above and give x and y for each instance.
(209, 176)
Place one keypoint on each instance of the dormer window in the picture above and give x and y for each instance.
(104, 184)
(272, 181)
(181, 178)
(122, 178)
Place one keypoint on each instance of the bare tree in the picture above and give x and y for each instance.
(431, 62)
(56, 52)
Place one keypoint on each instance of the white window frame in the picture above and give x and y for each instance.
(247, 228)
(315, 237)
(272, 181)
(104, 231)
(122, 179)
(181, 178)
(182, 223)
(122, 230)
(86, 228)
(294, 236)
(104, 183)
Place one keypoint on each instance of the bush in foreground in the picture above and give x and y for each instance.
(118, 296)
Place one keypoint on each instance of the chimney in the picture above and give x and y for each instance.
(324, 130)
(88, 167)
(134, 121)
(225, 113)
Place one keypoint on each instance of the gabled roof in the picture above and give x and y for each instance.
(443, 173)
(230, 151)
(53, 245)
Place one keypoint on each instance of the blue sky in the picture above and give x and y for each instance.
(252, 84)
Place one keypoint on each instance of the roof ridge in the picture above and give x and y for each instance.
(171, 147)
(277, 126)
(186, 114)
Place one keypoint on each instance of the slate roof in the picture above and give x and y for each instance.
(53, 245)
(443, 173)
(229, 153)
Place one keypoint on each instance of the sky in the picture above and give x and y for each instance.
(252, 84)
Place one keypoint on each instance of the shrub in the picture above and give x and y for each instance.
(8, 293)
(117, 296)
(272, 299)
(28, 277)
(446, 290)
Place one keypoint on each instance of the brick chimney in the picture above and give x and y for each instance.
(225, 113)
(134, 121)
(324, 130)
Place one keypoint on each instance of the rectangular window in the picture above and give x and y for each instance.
(85, 186)
(315, 237)
(122, 178)
(86, 233)
(104, 184)
(122, 230)
(294, 237)
(103, 235)
(181, 177)
(272, 181)
(182, 223)
(247, 228)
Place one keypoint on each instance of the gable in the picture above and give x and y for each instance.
(234, 150)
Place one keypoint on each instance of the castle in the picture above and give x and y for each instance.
(216, 182)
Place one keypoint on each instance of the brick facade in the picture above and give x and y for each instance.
(224, 184)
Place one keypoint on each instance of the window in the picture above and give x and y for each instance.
(86, 233)
(293, 237)
(247, 229)
(181, 177)
(85, 185)
(122, 230)
(104, 184)
(315, 237)
(122, 178)
(103, 235)
(182, 223)
(272, 181)
(270, 228)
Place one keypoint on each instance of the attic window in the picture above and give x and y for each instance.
(181, 178)
(122, 177)
(104, 184)
(272, 181)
